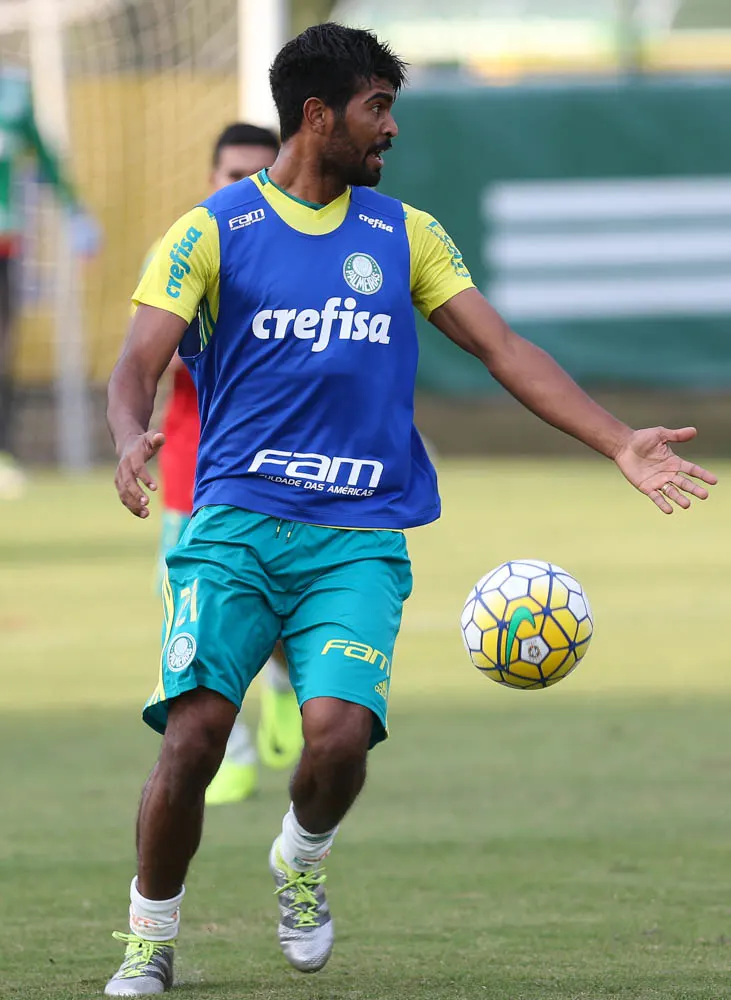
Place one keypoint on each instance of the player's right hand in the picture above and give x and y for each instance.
(132, 471)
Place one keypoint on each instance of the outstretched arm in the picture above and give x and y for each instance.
(537, 381)
(152, 340)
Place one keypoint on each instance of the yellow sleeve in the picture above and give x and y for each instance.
(185, 268)
(438, 271)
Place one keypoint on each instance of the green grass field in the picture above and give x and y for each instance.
(568, 844)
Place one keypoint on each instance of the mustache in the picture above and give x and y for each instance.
(381, 147)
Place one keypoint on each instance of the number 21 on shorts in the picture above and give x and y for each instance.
(188, 605)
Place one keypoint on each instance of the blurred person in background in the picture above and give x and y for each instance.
(240, 150)
(20, 137)
(309, 469)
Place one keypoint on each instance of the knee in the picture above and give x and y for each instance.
(195, 741)
(337, 735)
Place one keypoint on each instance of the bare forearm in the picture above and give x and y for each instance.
(131, 398)
(541, 385)
(534, 378)
(527, 372)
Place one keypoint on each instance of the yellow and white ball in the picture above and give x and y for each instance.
(527, 623)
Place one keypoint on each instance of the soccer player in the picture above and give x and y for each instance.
(20, 137)
(309, 468)
(240, 150)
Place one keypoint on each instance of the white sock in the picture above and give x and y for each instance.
(154, 919)
(302, 850)
(240, 749)
(276, 676)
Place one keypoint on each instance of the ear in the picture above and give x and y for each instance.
(315, 113)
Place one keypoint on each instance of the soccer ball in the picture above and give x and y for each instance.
(527, 624)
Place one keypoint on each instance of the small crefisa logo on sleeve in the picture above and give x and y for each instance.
(181, 652)
(363, 273)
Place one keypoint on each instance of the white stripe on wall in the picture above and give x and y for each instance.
(610, 298)
(650, 246)
(564, 201)
(553, 248)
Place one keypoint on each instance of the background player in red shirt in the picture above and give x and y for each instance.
(240, 150)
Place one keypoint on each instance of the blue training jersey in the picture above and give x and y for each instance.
(306, 387)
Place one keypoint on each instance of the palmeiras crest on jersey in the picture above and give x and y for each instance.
(181, 652)
(363, 273)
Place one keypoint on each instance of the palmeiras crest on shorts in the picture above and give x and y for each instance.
(363, 273)
(181, 652)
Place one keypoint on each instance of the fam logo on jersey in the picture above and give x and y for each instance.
(362, 273)
(309, 470)
(181, 652)
(242, 221)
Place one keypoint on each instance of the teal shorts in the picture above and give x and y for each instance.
(238, 581)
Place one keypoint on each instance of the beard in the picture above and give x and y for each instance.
(345, 160)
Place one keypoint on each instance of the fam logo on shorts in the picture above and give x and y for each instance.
(363, 273)
(181, 652)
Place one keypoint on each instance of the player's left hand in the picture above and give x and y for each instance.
(654, 469)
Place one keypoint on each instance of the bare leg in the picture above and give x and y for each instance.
(170, 819)
(332, 769)
(327, 781)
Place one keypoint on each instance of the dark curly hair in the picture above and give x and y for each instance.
(331, 62)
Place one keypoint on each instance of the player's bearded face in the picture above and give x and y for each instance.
(358, 140)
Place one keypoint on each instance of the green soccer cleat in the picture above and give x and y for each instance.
(279, 736)
(147, 968)
(305, 926)
(233, 783)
